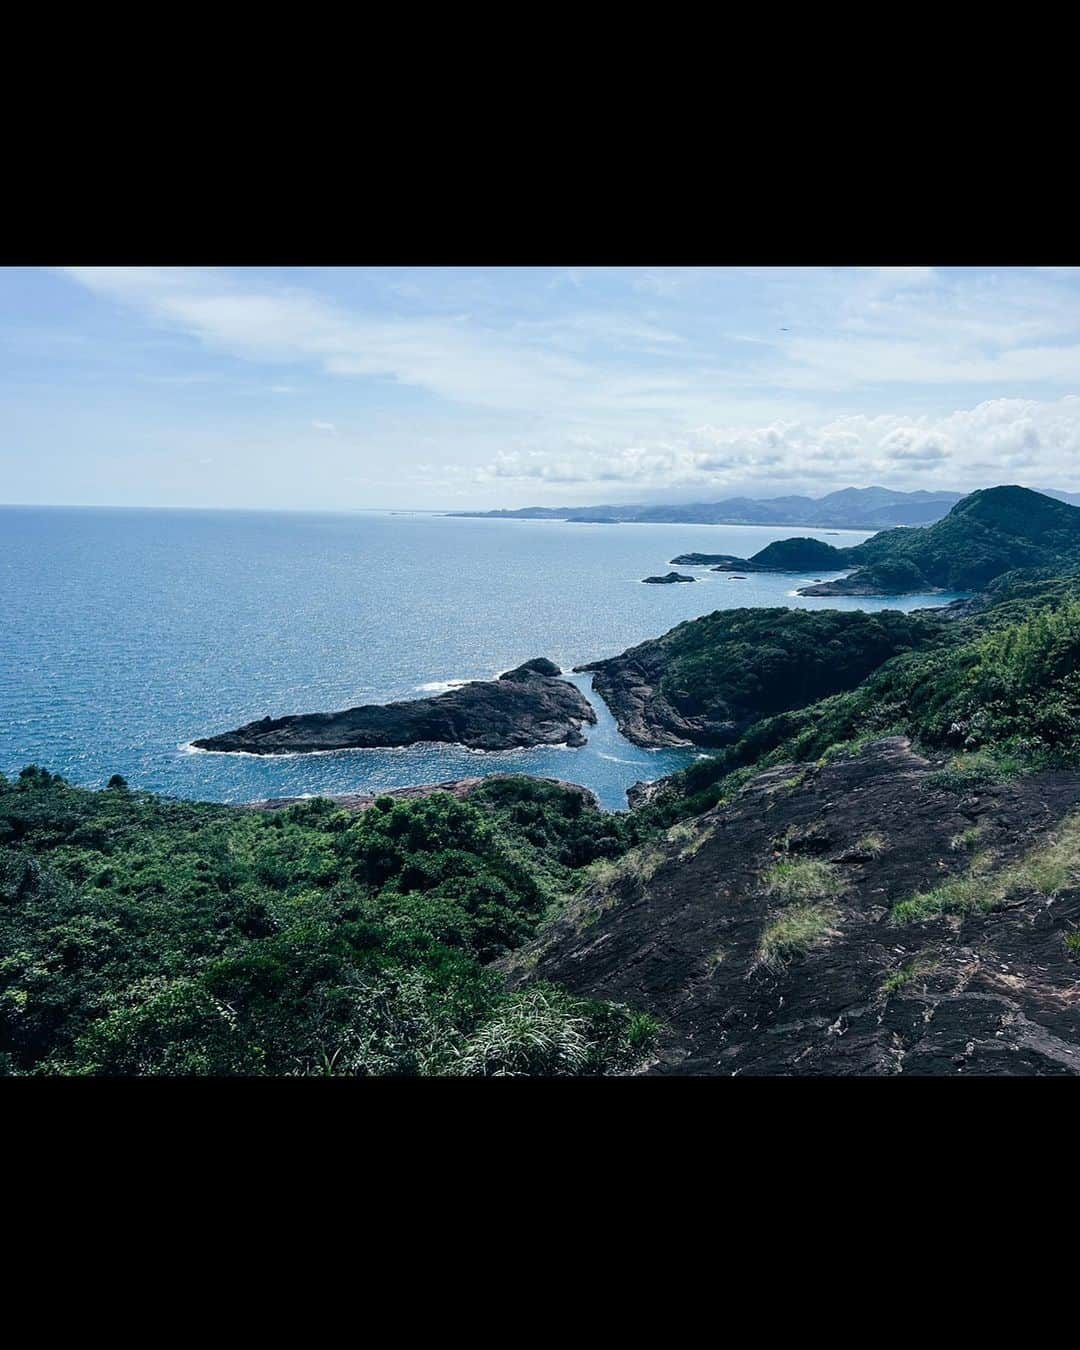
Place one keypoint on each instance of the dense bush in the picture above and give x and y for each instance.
(766, 660)
(146, 936)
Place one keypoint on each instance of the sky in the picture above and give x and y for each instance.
(455, 388)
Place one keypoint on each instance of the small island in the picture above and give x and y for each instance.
(701, 559)
(786, 555)
(670, 579)
(526, 706)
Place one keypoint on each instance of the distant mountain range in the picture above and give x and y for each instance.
(870, 508)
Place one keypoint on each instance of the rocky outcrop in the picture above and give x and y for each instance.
(859, 584)
(526, 706)
(703, 559)
(669, 579)
(630, 686)
(682, 931)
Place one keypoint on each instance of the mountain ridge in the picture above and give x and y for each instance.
(870, 508)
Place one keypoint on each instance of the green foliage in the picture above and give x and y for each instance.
(794, 933)
(146, 936)
(973, 772)
(1003, 686)
(984, 536)
(800, 555)
(960, 895)
(541, 1031)
(765, 661)
(917, 969)
(804, 879)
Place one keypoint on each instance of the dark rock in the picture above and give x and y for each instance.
(525, 706)
(668, 580)
(703, 559)
(540, 665)
(991, 993)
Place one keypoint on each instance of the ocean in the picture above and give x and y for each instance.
(127, 633)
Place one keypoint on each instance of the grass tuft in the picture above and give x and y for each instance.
(804, 879)
(1046, 870)
(961, 843)
(795, 933)
(979, 769)
(900, 979)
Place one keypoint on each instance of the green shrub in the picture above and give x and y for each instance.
(142, 936)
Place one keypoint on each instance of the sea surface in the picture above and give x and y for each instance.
(125, 634)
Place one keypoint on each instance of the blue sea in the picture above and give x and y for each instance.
(127, 633)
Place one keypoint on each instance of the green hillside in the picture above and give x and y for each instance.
(985, 535)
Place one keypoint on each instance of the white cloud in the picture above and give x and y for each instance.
(995, 441)
(452, 357)
(325, 426)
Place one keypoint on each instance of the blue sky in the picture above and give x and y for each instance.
(444, 387)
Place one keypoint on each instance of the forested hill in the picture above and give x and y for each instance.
(709, 679)
(988, 533)
(991, 532)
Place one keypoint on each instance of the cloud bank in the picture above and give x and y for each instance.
(505, 386)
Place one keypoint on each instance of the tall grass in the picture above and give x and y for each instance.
(796, 931)
(804, 879)
(1047, 869)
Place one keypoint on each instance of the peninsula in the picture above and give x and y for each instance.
(526, 706)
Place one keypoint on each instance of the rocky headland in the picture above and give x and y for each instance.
(708, 680)
(526, 706)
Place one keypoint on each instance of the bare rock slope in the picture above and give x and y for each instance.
(771, 935)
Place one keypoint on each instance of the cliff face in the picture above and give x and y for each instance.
(525, 706)
(771, 935)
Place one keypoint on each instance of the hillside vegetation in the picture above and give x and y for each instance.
(146, 936)
(880, 867)
(1004, 682)
(709, 679)
(985, 535)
